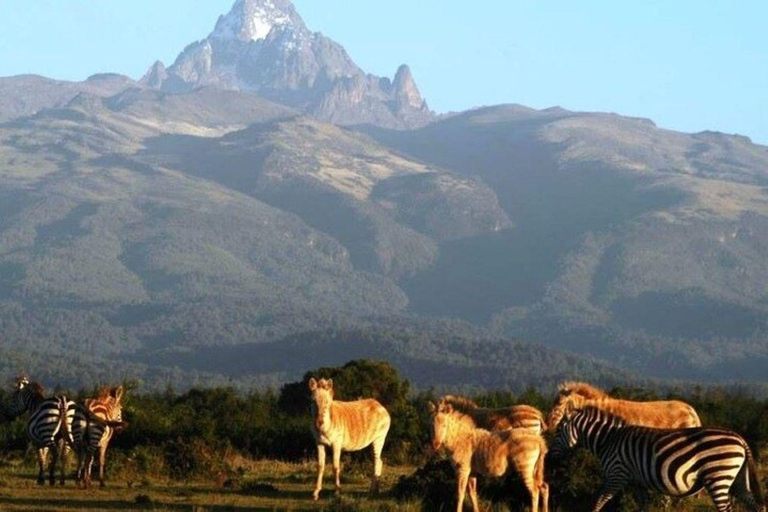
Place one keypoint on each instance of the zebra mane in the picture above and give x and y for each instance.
(603, 415)
(581, 388)
(459, 402)
(37, 389)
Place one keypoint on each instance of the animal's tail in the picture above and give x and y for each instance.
(64, 422)
(117, 425)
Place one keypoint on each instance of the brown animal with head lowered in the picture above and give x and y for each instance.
(476, 451)
(655, 414)
(516, 416)
(346, 426)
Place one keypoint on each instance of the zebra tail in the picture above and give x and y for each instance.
(752, 479)
(117, 425)
(64, 421)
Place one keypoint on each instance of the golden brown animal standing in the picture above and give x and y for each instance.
(476, 451)
(516, 416)
(655, 414)
(346, 426)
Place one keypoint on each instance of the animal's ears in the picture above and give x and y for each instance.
(329, 384)
(432, 407)
(312, 384)
(117, 393)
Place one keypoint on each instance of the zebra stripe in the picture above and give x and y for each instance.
(47, 426)
(677, 462)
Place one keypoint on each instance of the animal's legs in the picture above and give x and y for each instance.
(720, 495)
(533, 490)
(52, 466)
(544, 490)
(103, 455)
(337, 466)
(42, 455)
(320, 471)
(64, 454)
(473, 493)
(608, 491)
(378, 446)
(463, 482)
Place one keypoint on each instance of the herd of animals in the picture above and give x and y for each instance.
(658, 445)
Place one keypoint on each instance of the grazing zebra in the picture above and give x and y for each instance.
(516, 416)
(676, 462)
(94, 423)
(656, 414)
(476, 451)
(47, 426)
(348, 426)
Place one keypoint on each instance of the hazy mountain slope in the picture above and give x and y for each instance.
(147, 222)
(641, 245)
(337, 182)
(25, 95)
(92, 232)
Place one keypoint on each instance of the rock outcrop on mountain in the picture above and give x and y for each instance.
(263, 46)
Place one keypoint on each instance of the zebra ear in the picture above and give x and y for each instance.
(329, 385)
(312, 384)
(432, 407)
(118, 393)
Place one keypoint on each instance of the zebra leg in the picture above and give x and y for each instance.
(378, 446)
(720, 494)
(472, 484)
(52, 465)
(89, 456)
(463, 483)
(102, 462)
(608, 491)
(337, 466)
(320, 471)
(544, 490)
(63, 454)
(533, 491)
(42, 455)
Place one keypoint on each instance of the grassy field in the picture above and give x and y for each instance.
(265, 485)
(259, 486)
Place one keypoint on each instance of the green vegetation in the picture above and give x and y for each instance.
(218, 446)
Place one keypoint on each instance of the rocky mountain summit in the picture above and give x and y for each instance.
(263, 46)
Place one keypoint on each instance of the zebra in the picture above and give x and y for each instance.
(94, 423)
(676, 462)
(48, 426)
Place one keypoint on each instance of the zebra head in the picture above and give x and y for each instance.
(322, 398)
(21, 397)
(440, 414)
(567, 436)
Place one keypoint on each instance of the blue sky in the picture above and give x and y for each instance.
(687, 65)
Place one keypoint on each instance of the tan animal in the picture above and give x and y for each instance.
(656, 414)
(476, 451)
(516, 416)
(347, 426)
(95, 422)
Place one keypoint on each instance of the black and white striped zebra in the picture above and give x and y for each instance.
(47, 426)
(677, 462)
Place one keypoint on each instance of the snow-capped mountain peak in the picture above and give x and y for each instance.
(253, 20)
